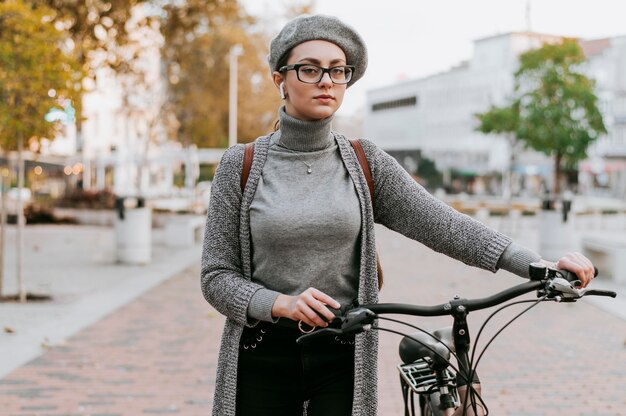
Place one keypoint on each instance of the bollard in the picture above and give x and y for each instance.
(556, 231)
(133, 231)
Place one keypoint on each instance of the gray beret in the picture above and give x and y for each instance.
(320, 27)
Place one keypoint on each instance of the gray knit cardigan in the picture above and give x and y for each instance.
(400, 204)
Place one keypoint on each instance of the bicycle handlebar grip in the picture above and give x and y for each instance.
(537, 271)
(571, 277)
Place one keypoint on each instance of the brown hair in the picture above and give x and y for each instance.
(282, 62)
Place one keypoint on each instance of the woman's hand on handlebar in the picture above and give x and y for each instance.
(308, 307)
(579, 264)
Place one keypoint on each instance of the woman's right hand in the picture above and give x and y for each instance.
(307, 307)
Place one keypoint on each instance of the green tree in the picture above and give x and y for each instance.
(427, 171)
(553, 109)
(37, 73)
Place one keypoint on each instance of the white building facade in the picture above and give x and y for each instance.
(123, 130)
(435, 115)
(123, 144)
(605, 170)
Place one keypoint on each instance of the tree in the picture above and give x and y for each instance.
(198, 36)
(553, 109)
(98, 31)
(428, 173)
(37, 73)
(96, 27)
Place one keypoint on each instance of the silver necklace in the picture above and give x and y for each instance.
(308, 165)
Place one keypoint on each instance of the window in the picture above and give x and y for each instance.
(401, 102)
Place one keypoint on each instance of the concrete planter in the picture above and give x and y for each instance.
(133, 236)
(556, 237)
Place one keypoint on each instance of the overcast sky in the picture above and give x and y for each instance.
(410, 39)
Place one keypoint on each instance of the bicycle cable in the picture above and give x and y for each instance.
(535, 303)
(406, 335)
(474, 366)
(472, 393)
(423, 331)
(471, 389)
(484, 324)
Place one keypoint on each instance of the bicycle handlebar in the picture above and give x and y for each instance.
(555, 286)
(446, 308)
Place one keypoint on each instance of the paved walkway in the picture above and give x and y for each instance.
(76, 266)
(157, 354)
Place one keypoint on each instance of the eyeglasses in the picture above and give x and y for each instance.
(312, 74)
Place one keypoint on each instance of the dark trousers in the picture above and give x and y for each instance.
(276, 376)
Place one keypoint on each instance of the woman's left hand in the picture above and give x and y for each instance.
(579, 264)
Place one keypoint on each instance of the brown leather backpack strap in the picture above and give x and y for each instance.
(248, 156)
(360, 154)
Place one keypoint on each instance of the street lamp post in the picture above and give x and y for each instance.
(235, 52)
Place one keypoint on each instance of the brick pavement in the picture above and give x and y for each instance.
(157, 354)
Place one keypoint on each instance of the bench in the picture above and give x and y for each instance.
(184, 230)
(608, 253)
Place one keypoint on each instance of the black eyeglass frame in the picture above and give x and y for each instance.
(296, 67)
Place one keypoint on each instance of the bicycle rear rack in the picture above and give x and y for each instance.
(421, 379)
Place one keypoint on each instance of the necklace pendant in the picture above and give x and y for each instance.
(309, 170)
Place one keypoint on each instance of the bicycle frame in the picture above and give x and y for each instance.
(441, 400)
(445, 403)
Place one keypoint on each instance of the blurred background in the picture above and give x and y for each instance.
(139, 98)
(115, 113)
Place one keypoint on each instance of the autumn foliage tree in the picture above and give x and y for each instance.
(37, 73)
(94, 26)
(198, 36)
(553, 109)
(98, 31)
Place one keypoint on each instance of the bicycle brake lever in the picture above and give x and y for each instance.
(306, 338)
(357, 321)
(566, 290)
(561, 287)
(597, 292)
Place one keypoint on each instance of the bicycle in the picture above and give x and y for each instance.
(445, 388)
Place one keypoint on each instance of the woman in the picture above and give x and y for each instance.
(299, 239)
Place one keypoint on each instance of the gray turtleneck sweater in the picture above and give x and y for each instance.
(305, 226)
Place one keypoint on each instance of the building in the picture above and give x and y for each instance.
(605, 170)
(435, 116)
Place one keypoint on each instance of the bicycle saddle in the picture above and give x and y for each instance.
(419, 345)
(445, 335)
